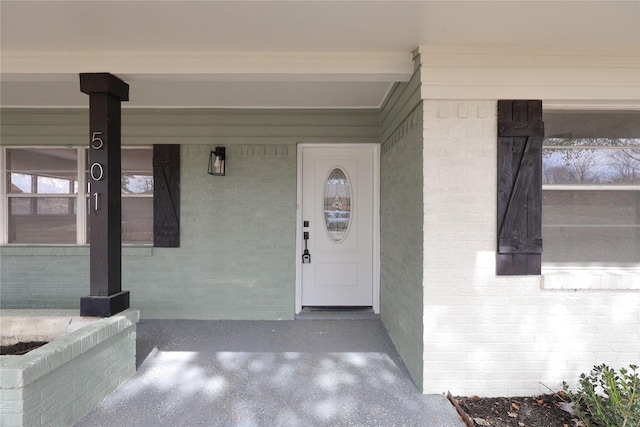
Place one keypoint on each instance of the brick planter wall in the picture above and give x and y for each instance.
(59, 383)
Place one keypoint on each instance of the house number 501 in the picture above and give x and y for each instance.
(96, 170)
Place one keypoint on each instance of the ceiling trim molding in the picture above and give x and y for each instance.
(220, 66)
(534, 57)
(530, 73)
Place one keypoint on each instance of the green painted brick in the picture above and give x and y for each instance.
(237, 232)
(401, 242)
(11, 420)
(63, 395)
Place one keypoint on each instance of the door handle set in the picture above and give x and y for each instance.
(306, 256)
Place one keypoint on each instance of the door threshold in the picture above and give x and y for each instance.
(337, 313)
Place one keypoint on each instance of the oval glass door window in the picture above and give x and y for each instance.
(337, 205)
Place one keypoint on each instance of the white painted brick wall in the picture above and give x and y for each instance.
(494, 336)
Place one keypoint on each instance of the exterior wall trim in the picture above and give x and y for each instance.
(409, 123)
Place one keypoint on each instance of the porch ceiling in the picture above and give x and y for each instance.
(272, 54)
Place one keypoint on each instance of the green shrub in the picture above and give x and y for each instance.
(606, 398)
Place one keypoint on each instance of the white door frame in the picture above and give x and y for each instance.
(376, 220)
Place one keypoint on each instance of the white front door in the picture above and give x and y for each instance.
(337, 215)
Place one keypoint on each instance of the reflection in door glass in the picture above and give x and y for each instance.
(337, 205)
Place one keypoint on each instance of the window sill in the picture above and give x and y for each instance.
(609, 279)
(71, 250)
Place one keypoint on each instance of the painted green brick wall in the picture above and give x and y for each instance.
(237, 254)
(401, 224)
(43, 277)
(237, 257)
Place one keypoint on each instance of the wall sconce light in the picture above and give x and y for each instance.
(216, 162)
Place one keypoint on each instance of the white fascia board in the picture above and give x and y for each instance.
(533, 73)
(470, 56)
(217, 66)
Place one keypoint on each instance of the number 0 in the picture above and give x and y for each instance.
(100, 172)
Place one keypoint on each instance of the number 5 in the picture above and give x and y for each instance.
(96, 142)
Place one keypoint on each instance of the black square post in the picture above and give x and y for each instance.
(106, 92)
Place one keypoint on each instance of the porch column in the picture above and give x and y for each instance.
(106, 92)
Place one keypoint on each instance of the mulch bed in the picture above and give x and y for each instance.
(21, 347)
(538, 411)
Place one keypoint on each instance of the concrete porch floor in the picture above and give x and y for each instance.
(317, 370)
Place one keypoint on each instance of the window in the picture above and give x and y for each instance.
(47, 196)
(591, 188)
(337, 205)
(42, 195)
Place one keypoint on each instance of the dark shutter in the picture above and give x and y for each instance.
(166, 195)
(520, 134)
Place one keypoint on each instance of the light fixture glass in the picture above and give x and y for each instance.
(217, 162)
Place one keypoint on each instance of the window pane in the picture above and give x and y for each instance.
(42, 171)
(21, 183)
(337, 205)
(591, 226)
(137, 220)
(47, 173)
(593, 142)
(57, 185)
(137, 159)
(55, 206)
(588, 245)
(598, 222)
(591, 166)
(42, 220)
(137, 171)
(592, 124)
(137, 184)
